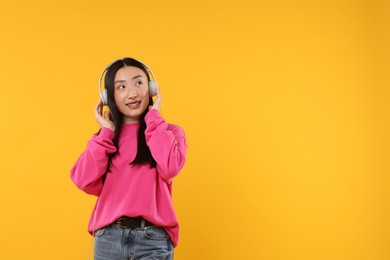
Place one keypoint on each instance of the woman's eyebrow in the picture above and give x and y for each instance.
(121, 81)
(138, 76)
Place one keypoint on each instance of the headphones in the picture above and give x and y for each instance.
(152, 82)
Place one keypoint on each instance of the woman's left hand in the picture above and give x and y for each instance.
(157, 102)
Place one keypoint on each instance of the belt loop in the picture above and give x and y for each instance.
(142, 223)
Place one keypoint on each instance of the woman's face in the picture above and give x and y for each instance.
(131, 93)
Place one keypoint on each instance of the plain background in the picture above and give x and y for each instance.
(284, 103)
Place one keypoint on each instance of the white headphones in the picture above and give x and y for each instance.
(152, 82)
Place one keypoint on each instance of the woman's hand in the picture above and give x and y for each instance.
(157, 102)
(103, 121)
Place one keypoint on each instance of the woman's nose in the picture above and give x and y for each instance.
(132, 93)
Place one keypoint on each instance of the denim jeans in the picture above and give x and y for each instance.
(115, 243)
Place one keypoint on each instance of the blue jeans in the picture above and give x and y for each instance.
(115, 243)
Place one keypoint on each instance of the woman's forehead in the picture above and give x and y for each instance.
(129, 72)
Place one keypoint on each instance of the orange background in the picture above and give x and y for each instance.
(284, 103)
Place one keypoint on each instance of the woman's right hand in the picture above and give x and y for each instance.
(103, 121)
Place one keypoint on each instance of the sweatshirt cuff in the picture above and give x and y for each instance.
(107, 132)
(152, 114)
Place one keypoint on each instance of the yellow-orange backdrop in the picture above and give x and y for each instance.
(284, 103)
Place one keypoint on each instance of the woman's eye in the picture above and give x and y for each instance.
(121, 87)
(139, 83)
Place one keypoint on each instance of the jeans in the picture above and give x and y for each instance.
(115, 243)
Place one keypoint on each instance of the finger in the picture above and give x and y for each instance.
(159, 98)
(98, 109)
(106, 116)
(99, 105)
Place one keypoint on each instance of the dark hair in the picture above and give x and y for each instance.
(144, 156)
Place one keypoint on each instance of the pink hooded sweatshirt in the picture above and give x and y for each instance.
(133, 190)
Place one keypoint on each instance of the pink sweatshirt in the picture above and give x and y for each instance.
(133, 190)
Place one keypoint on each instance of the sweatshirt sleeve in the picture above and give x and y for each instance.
(167, 143)
(92, 164)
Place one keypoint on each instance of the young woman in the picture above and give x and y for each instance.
(130, 164)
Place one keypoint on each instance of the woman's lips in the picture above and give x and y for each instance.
(134, 104)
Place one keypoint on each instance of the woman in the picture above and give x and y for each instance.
(130, 164)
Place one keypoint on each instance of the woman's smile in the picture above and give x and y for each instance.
(133, 104)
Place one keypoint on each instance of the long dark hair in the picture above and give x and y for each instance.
(144, 156)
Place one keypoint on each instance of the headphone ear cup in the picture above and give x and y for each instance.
(152, 88)
(103, 97)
